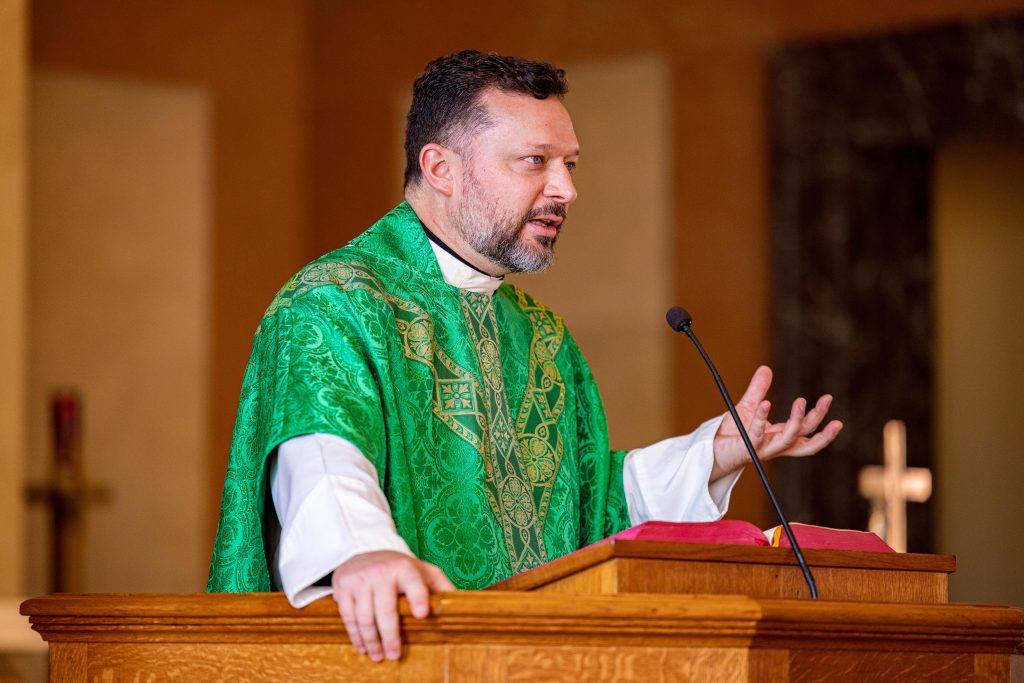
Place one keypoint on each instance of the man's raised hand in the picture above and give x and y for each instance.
(796, 436)
(366, 588)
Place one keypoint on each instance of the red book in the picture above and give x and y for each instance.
(736, 532)
(726, 532)
(810, 536)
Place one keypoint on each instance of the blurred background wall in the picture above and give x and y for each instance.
(120, 308)
(979, 235)
(298, 154)
(13, 273)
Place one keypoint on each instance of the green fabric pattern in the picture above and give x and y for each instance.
(478, 412)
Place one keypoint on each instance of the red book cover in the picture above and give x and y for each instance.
(810, 536)
(726, 531)
(737, 532)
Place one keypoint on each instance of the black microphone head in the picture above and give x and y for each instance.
(678, 318)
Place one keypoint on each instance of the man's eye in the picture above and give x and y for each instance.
(571, 166)
(535, 159)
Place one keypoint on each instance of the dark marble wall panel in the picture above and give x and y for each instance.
(855, 127)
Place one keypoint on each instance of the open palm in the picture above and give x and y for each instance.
(797, 436)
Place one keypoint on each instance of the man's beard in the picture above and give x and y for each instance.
(501, 236)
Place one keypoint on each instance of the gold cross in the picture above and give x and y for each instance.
(890, 487)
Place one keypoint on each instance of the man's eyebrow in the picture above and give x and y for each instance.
(547, 146)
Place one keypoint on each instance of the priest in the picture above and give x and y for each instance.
(411, 423)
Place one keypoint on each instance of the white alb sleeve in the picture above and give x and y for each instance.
(669, 481)
(330, 507)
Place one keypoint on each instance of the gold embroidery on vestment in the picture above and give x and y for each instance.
(540, 441)
(521, 460)
(418, 341)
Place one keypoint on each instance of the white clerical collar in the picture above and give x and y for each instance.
(461, 275)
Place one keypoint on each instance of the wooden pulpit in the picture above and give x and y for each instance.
(618, 611)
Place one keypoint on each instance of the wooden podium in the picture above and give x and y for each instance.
(619, 611)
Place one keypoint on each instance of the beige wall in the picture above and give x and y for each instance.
(253, 59)
(979, 475)
(13, 267)
(120, 311)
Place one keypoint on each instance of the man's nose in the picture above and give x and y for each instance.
(560, 186)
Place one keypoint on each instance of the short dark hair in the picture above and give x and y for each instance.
(446, 106)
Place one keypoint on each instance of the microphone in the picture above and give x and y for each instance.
(680, 320)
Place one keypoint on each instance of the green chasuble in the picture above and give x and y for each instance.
(478, 412)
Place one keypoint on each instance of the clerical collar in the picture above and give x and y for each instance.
(457, 271)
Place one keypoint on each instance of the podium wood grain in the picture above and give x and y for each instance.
(514, 636)
(628, 566)
(699, 616)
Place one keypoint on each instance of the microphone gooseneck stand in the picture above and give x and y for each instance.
(681, 321)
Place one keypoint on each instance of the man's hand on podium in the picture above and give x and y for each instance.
(795, 437)
(366, 588)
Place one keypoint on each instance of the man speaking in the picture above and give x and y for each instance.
(408, 422)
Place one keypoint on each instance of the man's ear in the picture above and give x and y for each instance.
(439, 165)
